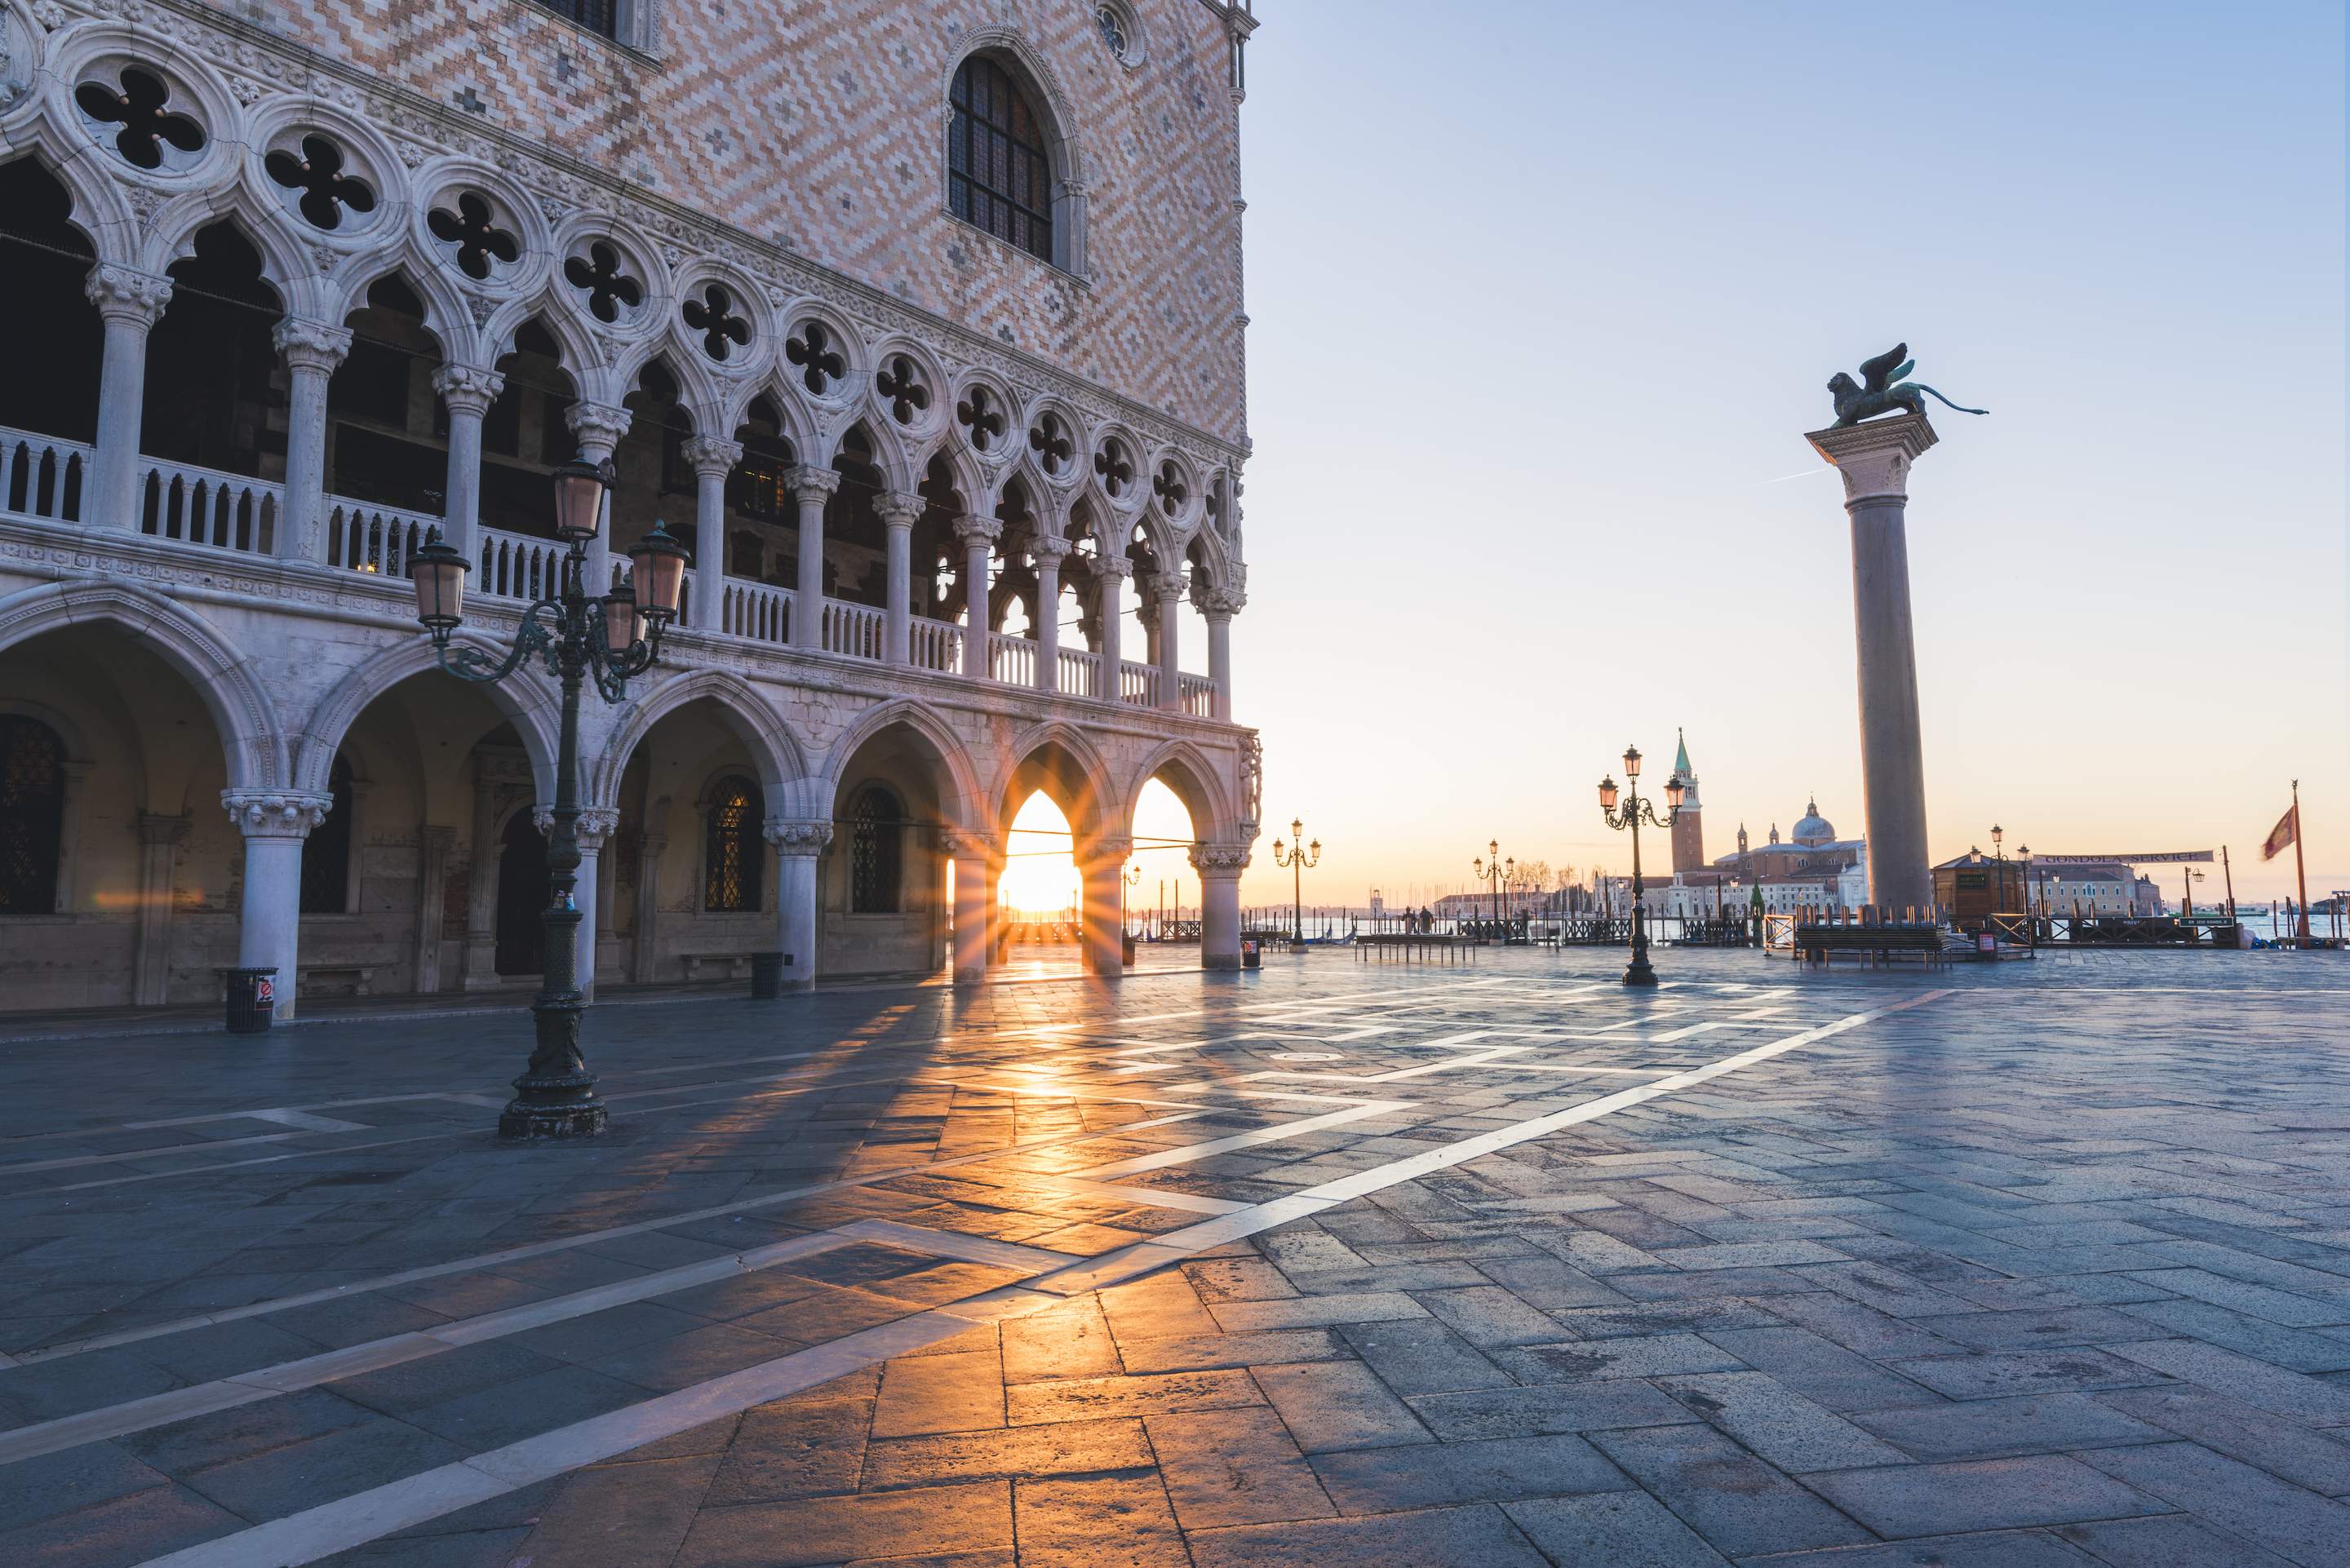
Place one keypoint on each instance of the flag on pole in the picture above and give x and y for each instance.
(2284, 835)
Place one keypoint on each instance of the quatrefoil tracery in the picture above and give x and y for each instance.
(1168, 485)
(138, 108)
(977, 413)
(474, 230)
(599, 275)
(901, 383)
(317, 173)
(1115, 468)
(1048, 438)
(712, 316)
(820, 363)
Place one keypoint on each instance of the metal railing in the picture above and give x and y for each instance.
(41, 476)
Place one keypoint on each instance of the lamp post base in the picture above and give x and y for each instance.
(556, 1095)
(1639, 973)
(523, 1119)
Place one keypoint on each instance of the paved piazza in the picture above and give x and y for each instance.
(1332, 1264)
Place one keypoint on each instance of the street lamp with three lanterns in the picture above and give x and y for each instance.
(1491, 871)
(575, 635)
(1637, 810)
(1298, 856)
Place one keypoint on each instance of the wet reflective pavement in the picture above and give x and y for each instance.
(2040, 1264)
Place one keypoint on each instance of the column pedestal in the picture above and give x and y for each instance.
(799, 849)
(269, 920)
(1874, 459)
(1220, 866)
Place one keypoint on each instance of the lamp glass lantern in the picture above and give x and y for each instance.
(1607, 792)
(1631, 761)
(438, 573)
(579, 487)
(659, 565)
(622, 624)
(1674, 788)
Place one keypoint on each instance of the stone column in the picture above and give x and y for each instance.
(971, 852)
(129, 304)
(1100, 866)
(812, 487)
(1220, 866)
(713, 460)
(1220, 605)
(1874, 458)
(644, 961)
(599, 429)
(432, 846)
(799, 847)
(594, 826)
(312, 351)
(898, 514)
(1047, 552)
(160, 837)
(269, 922)
(977, 535)
(1110, 573)
(1166, 591)
(468, 393)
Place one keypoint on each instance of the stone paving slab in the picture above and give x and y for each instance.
(2038, 1264)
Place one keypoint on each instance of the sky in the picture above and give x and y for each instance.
(1543, 298)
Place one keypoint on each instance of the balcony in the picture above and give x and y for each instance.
(203, 510)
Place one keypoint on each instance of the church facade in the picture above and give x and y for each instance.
(921, 323)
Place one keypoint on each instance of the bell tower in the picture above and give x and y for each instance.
(1689, 826)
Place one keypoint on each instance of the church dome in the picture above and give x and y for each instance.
(1815, 828)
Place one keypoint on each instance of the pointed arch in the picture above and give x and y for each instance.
(962, 803)
(775, 751)
(223, 678)
(1198, 780)
(527, 699)
(289, 274)
(96, 207)
(1060, 759)
(446, 320)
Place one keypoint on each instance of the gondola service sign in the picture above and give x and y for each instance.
(2169, 858)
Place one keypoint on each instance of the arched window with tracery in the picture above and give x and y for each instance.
(999, 172)
(32, 815)
(326, 853)
(734, 856)
(877, 853)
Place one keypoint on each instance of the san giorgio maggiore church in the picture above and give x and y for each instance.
(920, 324)
(1811, 869)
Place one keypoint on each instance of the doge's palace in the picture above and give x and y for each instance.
(920, 324)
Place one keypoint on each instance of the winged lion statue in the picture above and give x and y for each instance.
(1880, 389)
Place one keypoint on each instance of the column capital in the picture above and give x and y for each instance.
(598, 426)
(1875, 456)
(1164, 585)
(467, 389)
(594, 826)
(970, 530)
(125, 293)
(712, 457)
(966, 844)
(1220, 862)
(275, 812)
(796, 836)
(1115, 851)
(899, 509)
(311, 345)
(1220, 603)
(155, 827)
(812, 484)
(1049, 552)
(1113, 565)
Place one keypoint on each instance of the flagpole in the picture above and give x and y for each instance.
(2299, 870)
(2230, 877)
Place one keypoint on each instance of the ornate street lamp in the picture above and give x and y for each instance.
(575, 635)
(1299, 856)
(1490, 872)
(1133, 879)
(1635, 811)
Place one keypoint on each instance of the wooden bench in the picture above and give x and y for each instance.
(1877, 944)
(1408, 946)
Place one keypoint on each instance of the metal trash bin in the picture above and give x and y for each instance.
(1125, 951)
(252, 999)
(1251, 957)
(767, 975)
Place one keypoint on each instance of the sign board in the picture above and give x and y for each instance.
(2171, 858)
(1974, 878)
(2206, 918)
